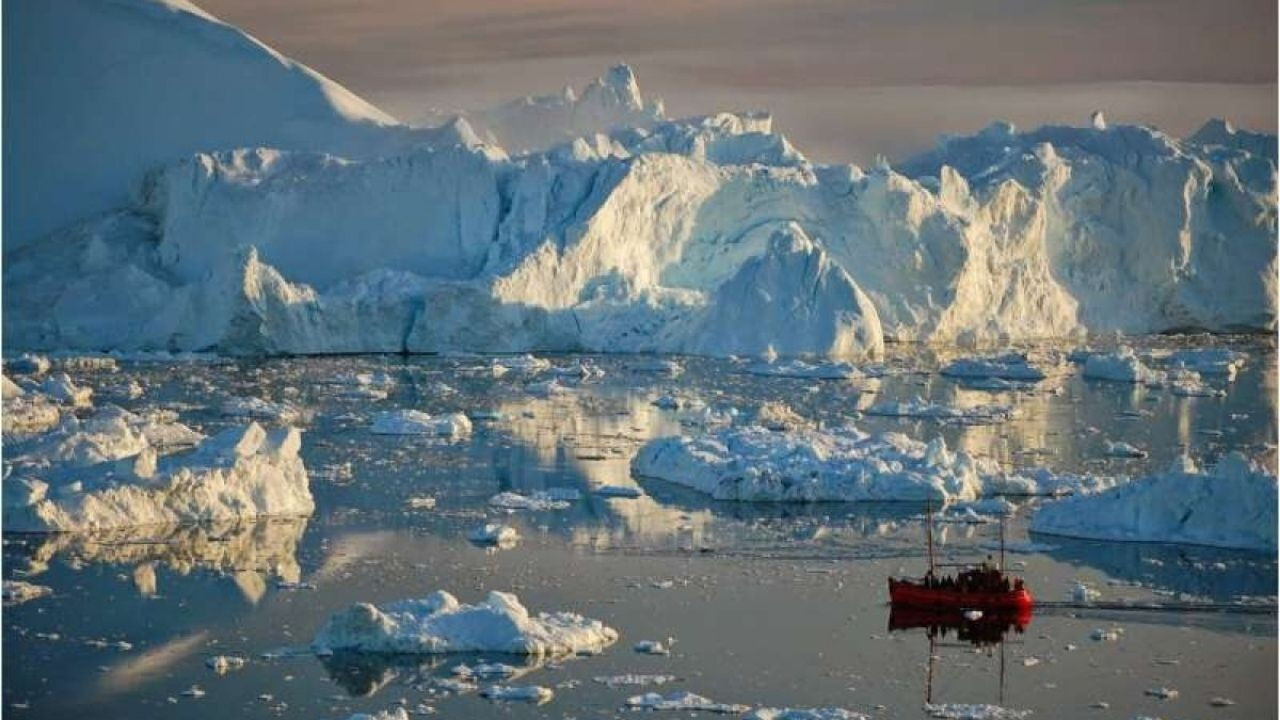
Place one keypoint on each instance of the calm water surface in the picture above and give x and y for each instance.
(766, 605)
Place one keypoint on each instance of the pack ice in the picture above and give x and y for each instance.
(608, 227)
(438, 623)
(107, 471)
(1232, 505)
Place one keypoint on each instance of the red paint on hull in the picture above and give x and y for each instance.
(910, 594)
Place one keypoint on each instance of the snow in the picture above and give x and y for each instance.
(415, 422)
(159, 222)
(438, 623)
(1232, 505)
(103, 473)
(17, 592)
(683, 700)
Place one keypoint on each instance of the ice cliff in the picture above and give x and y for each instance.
(629, 233)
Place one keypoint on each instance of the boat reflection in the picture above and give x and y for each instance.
(986, 632)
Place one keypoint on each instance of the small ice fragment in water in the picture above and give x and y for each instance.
(683, 700)
(651, 647)
(17, 592)
(425, 502)
(1163, 693)
(972, 615)
(1084, 593)
(223, 664)
(518, 693)
(494, 534)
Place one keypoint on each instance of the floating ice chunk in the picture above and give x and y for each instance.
(518, 693)
(633, 679)
(1010, 366)
(1187, 383)
(806, 370)
(60, 388)
(651, 647)
(683, 700)
(972, 615)
(1083, 593)
(1123, 450)
(27, 412)
(518, 364)
(28, 364)
(580, 369)
(961, 711)
(503, 536)
(223, 664)
(618, 491)
(238, 474)
(259, 409)
(438, 624)
(415, 422)
(395, 713)
(755, 464)
(1221, 702)
(1120, 366)
(804, 714)
(1208, 361)
(976, 415)
(17, 592)
(658, 366)
(547, 388)
(1162, 692)
(1233, 505)
(87, 363)
(539, 500)
(1106, 634)
(485, 670)
(777, 416)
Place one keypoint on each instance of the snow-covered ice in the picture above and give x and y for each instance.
(1231, 505)
(438, 623)
(535, 694)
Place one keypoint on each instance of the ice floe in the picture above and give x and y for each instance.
(495, 534)
(1122, 366)
(1232, 505)
(806, 370)
(17, 592)
(107, 475)
(416, 422)
(683, 701)
(964, 711)
(975, 415)
(438, 623)
(804, 714)
(535, 694)
(1010, 366)
(550, 499)
(59, 387)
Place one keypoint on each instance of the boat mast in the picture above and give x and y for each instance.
(1002, 543)
(929, 531)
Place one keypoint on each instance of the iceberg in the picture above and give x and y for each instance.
(439, 624)
(1232, 505)
(608, 227)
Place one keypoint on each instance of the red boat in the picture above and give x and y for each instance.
(982, 587)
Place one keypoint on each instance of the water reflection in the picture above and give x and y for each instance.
(365, 674)
(1198, 572)
(986, 633)
(251, 554)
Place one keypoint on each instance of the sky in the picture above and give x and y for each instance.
(846, 80)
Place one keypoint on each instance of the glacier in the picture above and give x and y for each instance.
(602, 226)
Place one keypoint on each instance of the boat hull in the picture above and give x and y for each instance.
(904, 593)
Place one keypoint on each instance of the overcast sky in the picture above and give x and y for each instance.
(846, 79)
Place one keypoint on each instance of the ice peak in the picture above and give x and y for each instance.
(1098, 120)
